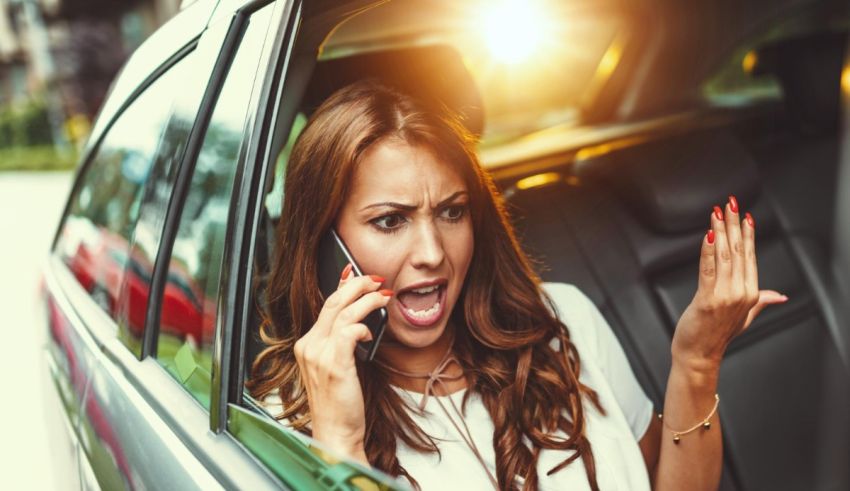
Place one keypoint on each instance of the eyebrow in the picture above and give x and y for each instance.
(405, 207)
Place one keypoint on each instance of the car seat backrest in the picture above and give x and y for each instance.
(672, 186)
(626, 228)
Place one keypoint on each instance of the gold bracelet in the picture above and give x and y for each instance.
(705, 424)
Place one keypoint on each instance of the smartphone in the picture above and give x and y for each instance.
(333, 257)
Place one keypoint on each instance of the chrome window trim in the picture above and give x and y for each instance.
(234, 299)
(182, 184)
(274, 86)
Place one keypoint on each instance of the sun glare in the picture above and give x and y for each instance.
(513, 29)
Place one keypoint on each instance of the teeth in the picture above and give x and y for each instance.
(427, 289)
(423, 314)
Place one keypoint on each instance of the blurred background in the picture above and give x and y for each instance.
(57, 59)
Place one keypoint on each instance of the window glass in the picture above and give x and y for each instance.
(188, 315)
(97, 232)
(274, 199)
(733, 83)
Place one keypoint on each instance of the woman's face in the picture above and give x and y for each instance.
(406, 218)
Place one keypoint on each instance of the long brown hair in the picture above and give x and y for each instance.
(503, 327)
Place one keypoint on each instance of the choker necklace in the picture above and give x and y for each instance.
(434, 377)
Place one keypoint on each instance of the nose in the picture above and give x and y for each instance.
(427, 247)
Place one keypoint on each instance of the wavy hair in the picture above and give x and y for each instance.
(503, 326)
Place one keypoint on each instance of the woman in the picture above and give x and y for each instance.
(484, 374)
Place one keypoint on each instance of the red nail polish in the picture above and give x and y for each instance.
(710, 236)
(345, 271)
(733, 204)
(376, 278)
(718, 213)
(385, 292)
(750, 220)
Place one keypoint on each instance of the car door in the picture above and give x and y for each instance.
(91, 264)
(132, 281)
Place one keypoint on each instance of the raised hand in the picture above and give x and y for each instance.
(325, 357)
(728, 297)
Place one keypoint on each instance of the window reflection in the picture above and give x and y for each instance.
(96, 237)
(187, 326)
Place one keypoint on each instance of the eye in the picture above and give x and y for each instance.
(454, 213)
(388, 223)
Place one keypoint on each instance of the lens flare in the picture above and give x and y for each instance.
(512, 29)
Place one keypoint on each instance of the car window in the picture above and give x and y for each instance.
(274, 199)
(99, 240)
(188, 311)
(734, 83)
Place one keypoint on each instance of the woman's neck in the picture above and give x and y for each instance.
(421, 361)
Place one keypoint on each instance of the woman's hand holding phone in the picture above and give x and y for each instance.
(326, 359)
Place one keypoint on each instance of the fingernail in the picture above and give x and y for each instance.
(345, 271)
(733, 204)
(385, 292)
(718, 213)
(711, 236)
(750, 219)
(376, 278)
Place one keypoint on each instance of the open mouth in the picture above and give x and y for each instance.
(422, 306)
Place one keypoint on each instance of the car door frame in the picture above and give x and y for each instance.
(235, 295)
(210, 458)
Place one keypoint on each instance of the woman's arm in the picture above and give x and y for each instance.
(726, 302)
(696, 461)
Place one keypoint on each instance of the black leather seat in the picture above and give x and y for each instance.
(627, 231)
(627, 227)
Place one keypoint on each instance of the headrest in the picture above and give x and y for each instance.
(672, 184)
(809, 70)
(433, 74)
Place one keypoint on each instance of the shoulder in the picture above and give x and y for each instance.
(578, 312)
(272, 403)
(564, 295)
(601, 350)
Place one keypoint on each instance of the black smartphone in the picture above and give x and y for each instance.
(333, 256)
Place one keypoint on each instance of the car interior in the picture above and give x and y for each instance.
(622, 218)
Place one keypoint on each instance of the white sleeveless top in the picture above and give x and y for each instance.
(613, 437)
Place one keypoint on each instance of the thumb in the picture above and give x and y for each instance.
(766, 297)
